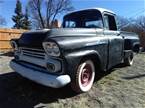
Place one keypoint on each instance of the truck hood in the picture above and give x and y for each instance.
(33, 39)
(65, 37)
(61, 32)
(75, 38)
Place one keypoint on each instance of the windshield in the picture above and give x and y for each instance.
(83, 19)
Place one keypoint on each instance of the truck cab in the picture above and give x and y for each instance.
(88, 44)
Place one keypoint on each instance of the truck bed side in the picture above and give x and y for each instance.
(131, 41)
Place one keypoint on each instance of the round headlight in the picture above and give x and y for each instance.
(14, 45)
(55, 49)
(51, 48)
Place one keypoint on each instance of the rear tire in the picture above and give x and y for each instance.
(84, 77)
(129, 61)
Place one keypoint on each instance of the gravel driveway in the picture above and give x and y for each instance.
(122, 87)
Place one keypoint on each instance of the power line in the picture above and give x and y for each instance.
(133, 22)
(137, 13)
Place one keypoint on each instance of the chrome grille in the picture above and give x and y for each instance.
(38, 53)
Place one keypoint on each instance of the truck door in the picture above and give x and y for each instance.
(115, 41)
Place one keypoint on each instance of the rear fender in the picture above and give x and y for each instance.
(135, 47)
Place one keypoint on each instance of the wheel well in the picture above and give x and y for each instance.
(136, 48)
(95, 60)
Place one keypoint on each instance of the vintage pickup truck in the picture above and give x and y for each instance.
(87, 44)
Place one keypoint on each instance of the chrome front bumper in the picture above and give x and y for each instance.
(54, 81)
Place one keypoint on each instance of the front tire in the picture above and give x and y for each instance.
(84, 77)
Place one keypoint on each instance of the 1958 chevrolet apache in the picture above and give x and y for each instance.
(88, 43)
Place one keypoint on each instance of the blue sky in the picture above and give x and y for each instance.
(125, 8)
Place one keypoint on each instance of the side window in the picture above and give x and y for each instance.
(94, 24)
(106, 23)
(70, 24)
(110, 23)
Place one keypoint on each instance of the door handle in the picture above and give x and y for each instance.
(118, 34)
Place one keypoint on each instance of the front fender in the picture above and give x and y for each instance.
(73, 59)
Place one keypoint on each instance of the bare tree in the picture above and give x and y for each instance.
(2, 21)
(129, 24)
(134, 25)
(141, 22)
(43, 12)
(122, 22)
(1, 1)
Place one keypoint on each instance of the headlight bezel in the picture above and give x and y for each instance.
(14, 45)
(51, 49)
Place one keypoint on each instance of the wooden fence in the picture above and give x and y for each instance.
(6, 35)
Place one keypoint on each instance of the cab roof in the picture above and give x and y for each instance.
(102, 10)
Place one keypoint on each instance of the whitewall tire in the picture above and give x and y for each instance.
(84, 77)
(129, 61)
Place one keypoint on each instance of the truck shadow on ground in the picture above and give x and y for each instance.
(9, 54)
(101, 74)
(18, 92)
(134, 77)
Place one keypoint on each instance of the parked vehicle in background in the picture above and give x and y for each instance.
(88, 43)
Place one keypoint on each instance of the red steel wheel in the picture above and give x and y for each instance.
(84, 77)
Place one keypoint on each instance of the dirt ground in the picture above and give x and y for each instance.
(121, 87)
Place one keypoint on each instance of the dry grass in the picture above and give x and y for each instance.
(122, 87)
